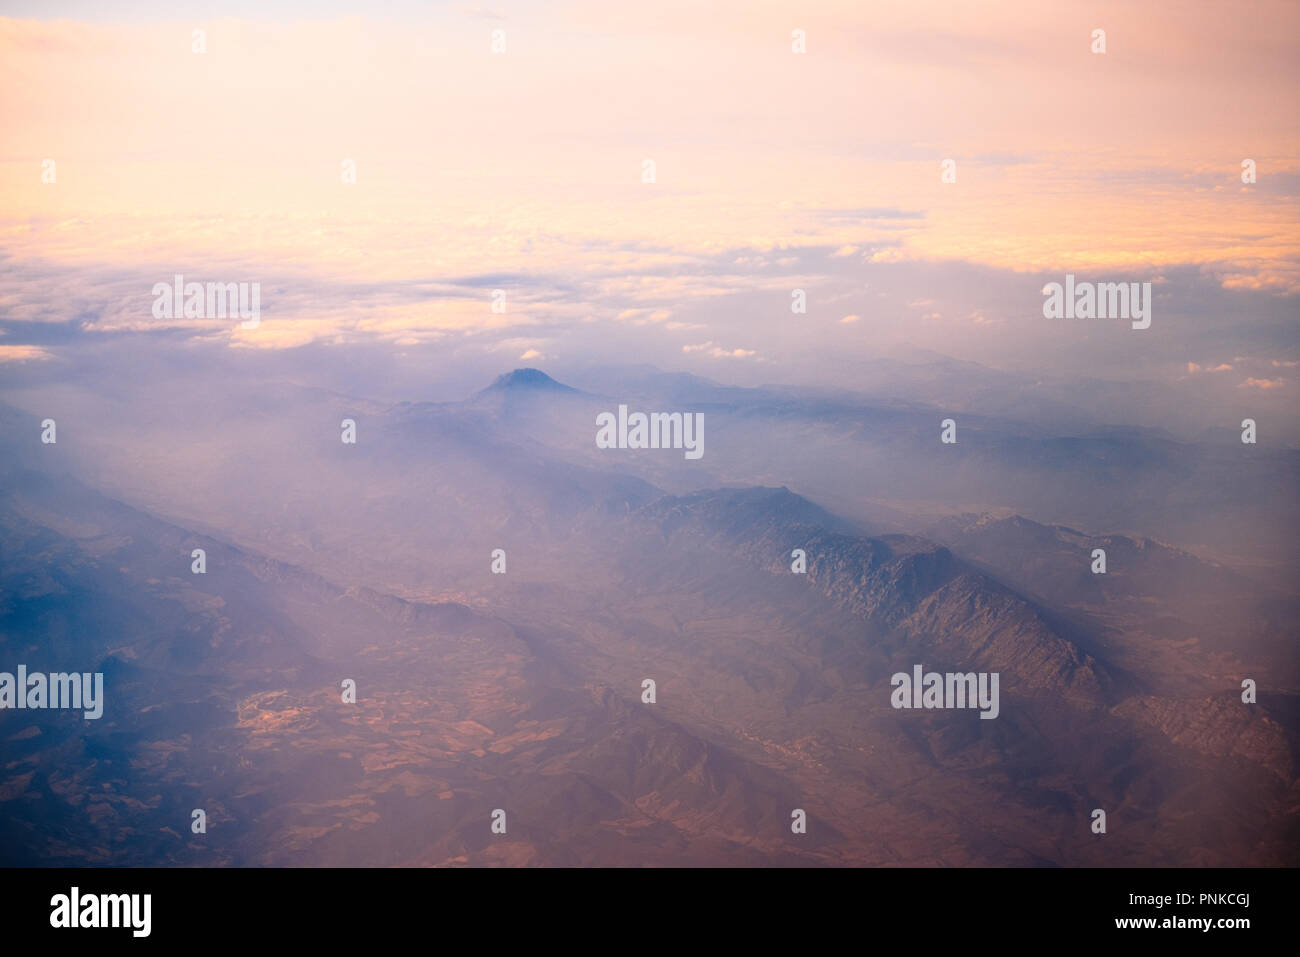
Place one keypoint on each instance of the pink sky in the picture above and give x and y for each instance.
(531, 161)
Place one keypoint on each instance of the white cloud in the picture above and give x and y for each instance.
(717, 352)
(23, 353)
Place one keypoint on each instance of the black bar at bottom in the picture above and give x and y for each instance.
(657, 907)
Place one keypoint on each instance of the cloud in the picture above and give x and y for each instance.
(1253, 383)
(848, 319)
(571, 203)
(23, 353)
(644, 316)
(867, 214)
(716, 352)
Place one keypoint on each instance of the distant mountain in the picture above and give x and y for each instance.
(529, 403)
(1148, 586)
(528, 379)
(943, 610)
(1056, 560)
(869, 456)
(743, 513)
(522, 382)
(1218, 727)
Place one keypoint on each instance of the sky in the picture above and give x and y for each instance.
(773, 171)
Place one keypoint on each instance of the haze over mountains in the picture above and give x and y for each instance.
(326, 303)
(523, 691)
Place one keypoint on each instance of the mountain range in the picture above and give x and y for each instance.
(524, 691)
